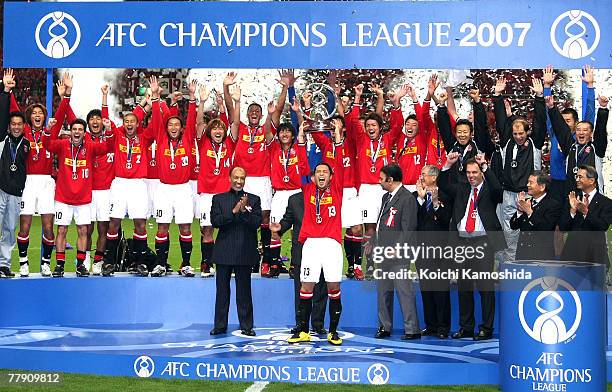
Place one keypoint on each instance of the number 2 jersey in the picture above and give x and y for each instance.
(329, 224)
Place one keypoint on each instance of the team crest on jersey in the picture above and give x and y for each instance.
(179, 151)
(83, 152)
(79, 162)
(324, 200)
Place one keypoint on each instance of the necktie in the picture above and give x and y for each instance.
(386, 199)
(585, 198)
(533, 203)
(428, 202)
(470, 223)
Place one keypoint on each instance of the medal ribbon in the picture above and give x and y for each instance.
(374, 156)
(74, 157)
(14, 151)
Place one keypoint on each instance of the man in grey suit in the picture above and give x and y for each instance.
(397, 223)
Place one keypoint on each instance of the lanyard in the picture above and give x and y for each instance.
(129, 150)
(217, 153)
(318, 196)
(74, 158)
(286, 156)
(172, 150)
(36, 141)
(375, 155)
(252, 136)
(197, 148)
(153, 150)
(579, 153)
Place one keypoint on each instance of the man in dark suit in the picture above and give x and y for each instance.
(293, 218)
(536, 217)
(237, 215)
(396, 224)
(474, 224)
(587, 216)
(433, 218)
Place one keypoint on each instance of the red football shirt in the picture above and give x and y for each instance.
(328, 222)
(372, 155)
(289, 166)
(174, 157)
(328, 154)
(103, 170)
(215, 165)
(250, 151)
(74, 175)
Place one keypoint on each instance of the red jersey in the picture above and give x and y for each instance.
(328, 203)
(195, 156)
(436, 154)
(328, 154)
(152, 168)
(411, 153)
(174, 158)
(372, 155)
(74, 175)
(288, 167)
(251, 152)
(129, 154)
(103, 170)
(215, 165)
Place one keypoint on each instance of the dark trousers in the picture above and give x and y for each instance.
(319, 295)
(244, 302)
(486, 288)
(436, 299)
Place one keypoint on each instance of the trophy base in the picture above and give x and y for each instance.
(319, 126)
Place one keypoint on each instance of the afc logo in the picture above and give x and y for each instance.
(56, 29)
(575, 34)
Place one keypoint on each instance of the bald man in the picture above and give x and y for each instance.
(237, 215)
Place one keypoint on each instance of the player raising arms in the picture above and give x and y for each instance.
(76, 156)
(321, 234)
(289, 164)
(173, 196)
(216, 150)
(128, 191)
(39, 191)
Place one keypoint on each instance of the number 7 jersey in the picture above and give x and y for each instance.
(328, 223)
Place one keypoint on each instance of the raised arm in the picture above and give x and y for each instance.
(268, 124)
(444, 124)
(229, 80)
(538, 135)
(286, 80)
(588, 101)
(481, 128)
(499, 109)
(5, 102)
(560, 128)
(155, 128)
(600, 134)
(235, 121)
(380, 98)
(200, 124)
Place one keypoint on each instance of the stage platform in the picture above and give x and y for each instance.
(159, 327)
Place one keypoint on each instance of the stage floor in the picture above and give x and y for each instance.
(119, 350)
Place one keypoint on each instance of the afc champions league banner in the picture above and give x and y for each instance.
(436, 34)
(553, 328)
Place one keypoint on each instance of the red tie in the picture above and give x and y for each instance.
(470, 223)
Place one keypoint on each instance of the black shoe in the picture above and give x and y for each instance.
(58, 272)
(248, 332)
(133, 268)
(283, 269)
(81, 271)
(462, 333)
(293, 274)
(483, 335)
(274, 271)
(108, 269)
(5, 272)
(218, 331)
(381, 334)
(411, 336)
(295, 330)
(169, 269)
(319, 330)
(142, 270)
(350, 273)
(428, 332)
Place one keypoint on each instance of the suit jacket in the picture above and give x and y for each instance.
(434, 220)
(491, 194)
(586, 240)
(236, 242)
(294, 214)
(537, 236)
(397, 221)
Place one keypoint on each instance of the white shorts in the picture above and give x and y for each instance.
(38, 195)
(280, 200)
(195, 198)
(370, 198)
(152, 184)
(65, 212)
(262, 187)
(100, 205)
(321, 253)
(129, 198)
(351, 209)
(174, 200)
(205, 205)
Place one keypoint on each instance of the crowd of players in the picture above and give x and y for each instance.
(168, 165)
